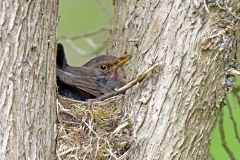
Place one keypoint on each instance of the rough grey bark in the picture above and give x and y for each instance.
(27, 80)
(174, 111)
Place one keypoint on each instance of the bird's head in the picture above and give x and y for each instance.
(109, 66)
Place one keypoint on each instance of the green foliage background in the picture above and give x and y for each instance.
(78, 17)
(82, 16)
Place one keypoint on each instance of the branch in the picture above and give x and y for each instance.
(222, 134)
(106, 9)
(233, 72)
(96, 51)
(84, 35)
(211, 157)
(96, 48)
(233, 120)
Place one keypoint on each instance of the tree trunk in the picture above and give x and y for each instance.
(27, 79)
(174, 110)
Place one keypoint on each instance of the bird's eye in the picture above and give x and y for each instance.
(103, 67)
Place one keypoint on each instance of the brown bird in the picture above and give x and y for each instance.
(99, 76)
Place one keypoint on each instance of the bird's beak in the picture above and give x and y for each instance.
(122, 61)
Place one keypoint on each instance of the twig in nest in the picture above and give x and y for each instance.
(99, 137)
(119, 128)
(70, 113)
(68, 151)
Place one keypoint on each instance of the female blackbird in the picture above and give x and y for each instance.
(99, 76)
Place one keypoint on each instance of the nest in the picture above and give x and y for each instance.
(98, 131)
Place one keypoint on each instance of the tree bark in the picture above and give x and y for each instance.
(27, 81)
(174, 111)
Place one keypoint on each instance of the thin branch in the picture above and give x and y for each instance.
(59, 105)
(76, 48)
(138, 79)
(96, 51)
(84, 35)
(106, 9)
(234, 72)
(91, 43)
(211, 157)
(105, 102)
(233, 120)
(96, 48)
(222, 134)
(99, 137)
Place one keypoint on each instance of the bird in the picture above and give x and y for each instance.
(97, 77)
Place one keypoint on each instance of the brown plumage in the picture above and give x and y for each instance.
(99, 76)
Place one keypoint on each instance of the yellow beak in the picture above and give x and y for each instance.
(122, 61)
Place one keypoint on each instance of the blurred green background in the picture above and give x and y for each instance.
(79, 17)
(82, 16)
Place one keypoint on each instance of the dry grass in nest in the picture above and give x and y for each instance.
(100, 132)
